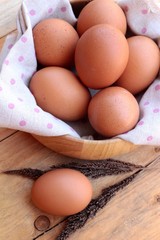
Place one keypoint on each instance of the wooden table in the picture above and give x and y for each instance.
(133, 214)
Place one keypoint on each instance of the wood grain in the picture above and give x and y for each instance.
(21, 150)
(4, 133)
(15, 191)
(133, 214)
(8, 14)
(2, 42)
(17, 214)
(87, 149)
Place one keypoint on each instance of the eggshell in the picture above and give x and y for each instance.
(61, 192)
(101, 11)
(101, 56)
(143, 64)
(55, 41)
(58, 91)
(113, 111)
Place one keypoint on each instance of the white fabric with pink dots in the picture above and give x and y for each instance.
(143, 18)
(18, 108)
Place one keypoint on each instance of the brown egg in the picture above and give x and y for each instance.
(113, 111)
(62, 192)
(59, 92)
(101, 11)
(143, 64)
(101, 56)
(55, 41)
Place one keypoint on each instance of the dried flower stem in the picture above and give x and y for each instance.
(78, 220)
(27, 172)
(93, 169)
(99, 168)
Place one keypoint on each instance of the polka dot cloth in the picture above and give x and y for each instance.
(18, 108)
(147, 130)
(143, 16)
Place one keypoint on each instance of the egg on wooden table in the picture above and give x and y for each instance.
(58, 91)
(61, 192)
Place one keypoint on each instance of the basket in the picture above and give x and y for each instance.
(84, 147)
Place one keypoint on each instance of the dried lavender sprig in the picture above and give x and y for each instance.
(94, 169)
(33, 174)
(103, 164)
(78, 220)
(101, 168)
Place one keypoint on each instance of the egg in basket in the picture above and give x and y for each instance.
(82, 77)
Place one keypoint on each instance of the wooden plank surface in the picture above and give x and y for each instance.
(21, 151)
(4, 133)
(133, 214)
(8, 14)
